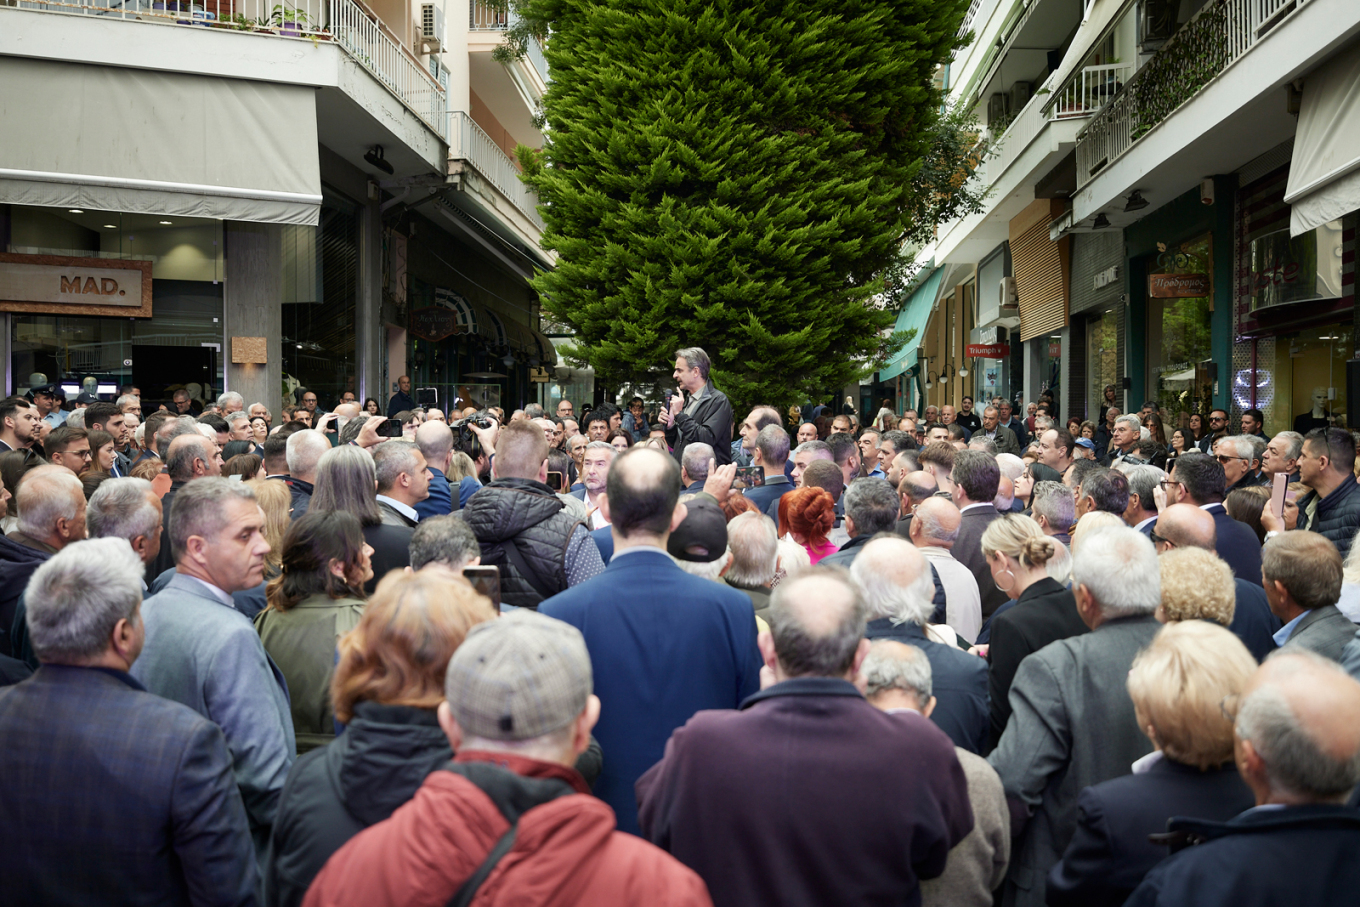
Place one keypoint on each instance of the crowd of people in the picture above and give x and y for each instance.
(690, 657)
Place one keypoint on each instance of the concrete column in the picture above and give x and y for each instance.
(251, 307)
(368, 328)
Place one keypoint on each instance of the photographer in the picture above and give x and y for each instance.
(706, 417)
(475, 436)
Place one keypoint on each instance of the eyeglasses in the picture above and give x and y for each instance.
(1227, 458)
(1217, 419)
(1157, 539)
(1228, 706)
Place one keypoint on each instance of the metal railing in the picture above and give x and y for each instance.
(358, 33)
(469, 142)
(1214, 38)
(968, 17)
(482, 17)
(1089, 90)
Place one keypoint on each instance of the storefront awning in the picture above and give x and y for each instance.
(914, 314)
(1324, 174)
(129, 140)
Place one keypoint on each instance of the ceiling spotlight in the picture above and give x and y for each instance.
(166, 222)
(1136, 202)
(77, 211)
(375, 157)
(110, 227)
(1101, 221)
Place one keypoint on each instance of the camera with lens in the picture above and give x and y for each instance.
(465, 439)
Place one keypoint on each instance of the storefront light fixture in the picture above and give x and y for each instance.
(963, 370)
(77, 210)
(110, 227)
(375, 157)
(1101, 221)
(930, 379)
(166, 222)
(1136, 202)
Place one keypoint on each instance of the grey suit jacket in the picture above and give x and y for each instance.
(1350, 656)
(206, 654)
(1072, 725)
(967, 550)
(1323, 630)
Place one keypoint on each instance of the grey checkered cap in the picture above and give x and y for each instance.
(520, 676)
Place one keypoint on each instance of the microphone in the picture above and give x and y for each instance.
(668, 395)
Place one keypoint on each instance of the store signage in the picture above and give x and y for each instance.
(539, 375)
(1178, 286)
(433, 323)
(988, 350)
(49, 280)
(1055, 349)
(1107, 277)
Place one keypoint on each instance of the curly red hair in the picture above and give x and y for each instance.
(808, 511)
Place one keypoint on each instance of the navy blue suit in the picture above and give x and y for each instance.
(663, 645)
(764, 495)
(1237, 545)
(1253, 621)
(440, 500)
(604, 540)
(958, 680)
(1110, 853)
(114, 796)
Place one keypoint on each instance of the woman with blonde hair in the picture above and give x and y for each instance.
(1184, 687)
(276, 501)
(1196, 585)
(1041, 609)
(388, 681)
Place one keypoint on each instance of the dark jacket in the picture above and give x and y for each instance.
(1238, 545)
(1336, 516)
(800, 798)
(1253, 622)
(18, 561)
(711, 423)
(1110, 853)
(111, 795)
(663, 645)
(763, 496)
(967, 550)
(523, 529)
(1045, 612)
(760, 598)
(165, 558)
(440, 500)
(400, 402)
(391, 516)
(847, 553)
(1299, 855)
(302, 497)
(958, 681)
(391, 550)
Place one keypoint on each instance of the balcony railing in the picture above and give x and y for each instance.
(355, 30)
(1213, 39)
(483, 17)
(1089, 91)
(468, 142)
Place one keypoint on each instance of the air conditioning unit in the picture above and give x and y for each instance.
(1010, 301)
(1020, 95)
(432, 27)
(996, 109)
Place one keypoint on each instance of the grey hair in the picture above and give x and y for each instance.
(230, 397)
(930, 526)
(1120, 571)
(346, 479)
(125, 399)
(695, 358)
(803, 652)
(1143, 481)
(695, 460)
(873, 505)
(811, 446)
(986, 445)
(888, 667)
(120, 509)
(1294, 761)
(1011, 466)
(1240, 444)
(1054, 502)
(753, 540)
(1295, 444)
(773, 444)
(444, 539)
(173, 428)
(180, 462)
(305, 450)
(390, 460)
(200, 509)
(1130, 419)
(709, 570)
(236, 416)
(884, 596)
(47, 494)
(79, 595)
(75, 418)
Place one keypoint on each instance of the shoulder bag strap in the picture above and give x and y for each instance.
(464, 895)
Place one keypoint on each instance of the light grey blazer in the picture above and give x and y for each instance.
(205, 654)
(1323, 630)
(1072, 725)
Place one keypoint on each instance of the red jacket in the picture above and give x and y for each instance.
(566, 850)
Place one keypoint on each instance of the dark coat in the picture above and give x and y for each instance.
(114, 796)
(524, 529)
(663, 645)
(1045, 612)
(1237, 544)
(391, 516)
(1302, 855)
(391, 550)
(958, 681)
(1110, 853)
(711, 423)
(1323, 630)
(17, 564)
(967, 550)
(1336, 516)
(847, 553)
(604, 540)
(302, 497)
(440, 500)
(400, 402)
(1253, 622)
(801, 799)
(769, 493)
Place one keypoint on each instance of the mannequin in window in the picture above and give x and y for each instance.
(1317, 417)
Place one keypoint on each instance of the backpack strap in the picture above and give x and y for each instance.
(464, 895)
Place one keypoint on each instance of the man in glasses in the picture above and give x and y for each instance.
(69, 448)
(1235, 453)
(1218, 428)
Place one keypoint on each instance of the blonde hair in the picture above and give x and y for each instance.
(1178, 683)
(1020, 539)
(1196, 585)
(276, 501)
(461, 468)
(1093, 520)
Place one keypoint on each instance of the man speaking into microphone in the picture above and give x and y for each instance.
(706, 416)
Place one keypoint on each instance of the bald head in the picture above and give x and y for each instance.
(435, 441)
(1298, 730)
(1186, 526)
(894, 580)
(816, 626)
(936, 523)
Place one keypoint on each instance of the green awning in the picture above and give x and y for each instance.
(915, 313)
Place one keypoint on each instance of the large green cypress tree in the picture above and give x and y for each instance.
(738, 176)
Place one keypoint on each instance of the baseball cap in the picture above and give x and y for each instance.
(87, 397)
(1087, 443)
(518, 677)
(50, 390)
(702, 537)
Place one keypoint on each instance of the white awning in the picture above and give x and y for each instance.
(110, 139)
(1324, 175)
(1099, 20)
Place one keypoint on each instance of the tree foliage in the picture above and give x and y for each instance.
(740, 176)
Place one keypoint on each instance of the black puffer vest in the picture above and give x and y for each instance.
(522, 527)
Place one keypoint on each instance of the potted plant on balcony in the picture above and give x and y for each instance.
(290, 20)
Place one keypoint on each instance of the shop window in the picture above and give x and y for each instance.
(1102, 361)
(1179, 337)
(179, 248)
(1296, 372)
(321, 290)
(1285, 269)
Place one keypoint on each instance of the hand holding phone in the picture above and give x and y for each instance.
(486, 579)
(390, 428)
(1279, 484)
